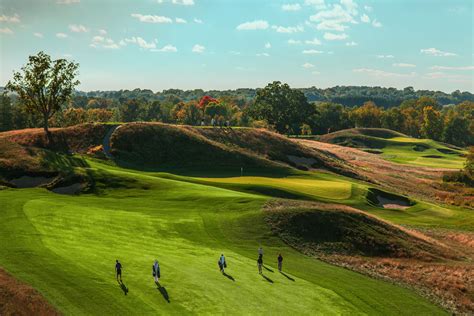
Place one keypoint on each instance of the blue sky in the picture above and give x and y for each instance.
(227, 44)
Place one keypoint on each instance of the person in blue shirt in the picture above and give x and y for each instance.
(222, 264)
(118, 270)
(156, 270)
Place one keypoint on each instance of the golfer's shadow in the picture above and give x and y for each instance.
(268, 269)
(228, 276)
(267, 278)
(163, 291)
(123, 287)
(287, 276)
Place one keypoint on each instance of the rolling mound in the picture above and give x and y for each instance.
(158, 145)
(316, 228)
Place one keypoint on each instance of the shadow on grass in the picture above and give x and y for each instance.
(267, 278)
(163, 291)
(287, 276)
(123, 287)
(268, 269)
(228, 276)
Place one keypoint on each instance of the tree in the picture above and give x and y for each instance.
(456, 131)
(432, 126)
(282, 107)
(368, 115)
(44, 85)
(329, 117)
(393, 119)
(6, 113)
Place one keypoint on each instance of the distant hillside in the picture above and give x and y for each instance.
(346, 95)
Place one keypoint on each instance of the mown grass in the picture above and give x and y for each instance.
(66, 246)
(400, 148)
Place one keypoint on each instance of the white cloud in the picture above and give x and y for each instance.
(368, 8)
(10, 19)
(61, 35)
(78, 28)
(382, 73)
(436, 52)
(315, 72)
(254, 25)
(365, 18)
(314, 41)
(180, 20)
(165, 49)
(452, 68)
(288, 29)
(141, 42)
(233, 52)
(291, 7)
(376, 23)
(307, 65)
(102, 32)
(312, 51)
(331, 25)
(263, 54)
(37, 34)
(351, 43)
(384, 56)
(268, 45)
(294, 42)
(183, 2)
(198, 49)
(198, 21)
(107, 43)
(404, 65)
(152, 18)
(336, 14)
(67, 1)
(5, 30)
(335, 37)
(350, 6)
(317, 4)
(449, 77)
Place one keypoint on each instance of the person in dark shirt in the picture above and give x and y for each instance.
(260, 263)
(118, 270)
(280, 262)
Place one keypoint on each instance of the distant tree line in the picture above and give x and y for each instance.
(277, 106)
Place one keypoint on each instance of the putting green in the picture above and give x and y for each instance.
(66, 246)
(337, 190)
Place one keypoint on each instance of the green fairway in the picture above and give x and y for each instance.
(432, 153)
(336, 190)
(66, 246)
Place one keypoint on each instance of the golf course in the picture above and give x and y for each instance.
(65, 245)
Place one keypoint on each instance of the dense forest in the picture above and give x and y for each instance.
(421, 113)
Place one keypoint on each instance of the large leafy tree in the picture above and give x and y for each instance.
(432, 126)
(284, 108)
(368, 115)
(44, 85)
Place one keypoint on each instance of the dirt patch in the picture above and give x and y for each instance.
(17, 298)
(31, 182)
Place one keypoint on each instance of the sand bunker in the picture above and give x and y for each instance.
(388, 200)
(30, 182)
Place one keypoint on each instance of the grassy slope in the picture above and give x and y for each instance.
(65, 246)
(399, 148)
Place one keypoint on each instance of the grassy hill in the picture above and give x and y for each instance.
(176, 193)
(399, 148)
